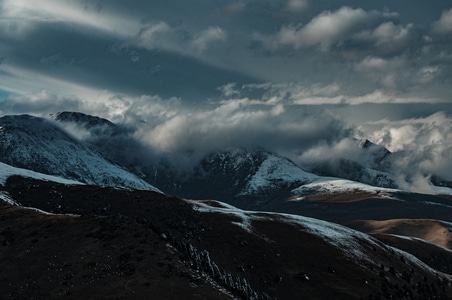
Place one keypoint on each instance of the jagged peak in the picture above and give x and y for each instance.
(365, 143)
(81, 119)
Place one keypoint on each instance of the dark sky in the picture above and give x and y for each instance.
(291, 75)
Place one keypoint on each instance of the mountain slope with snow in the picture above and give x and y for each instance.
(238, 253)
(247, 178)
(7, 171)
(234, 174)
(363, 162)
(40, 145)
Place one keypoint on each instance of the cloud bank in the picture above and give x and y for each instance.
(295, 76)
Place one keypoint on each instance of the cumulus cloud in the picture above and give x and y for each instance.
(421, 145)
(444, 24)
(346, 148)
(371, 63)
(152, 47)
(388, 37)
(208, 36)
(325, 30)
(229, 89)
(243, 124)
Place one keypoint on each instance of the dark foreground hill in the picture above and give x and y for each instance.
(108, 243)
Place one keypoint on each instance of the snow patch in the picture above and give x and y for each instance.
(412, 238)
(230, 210)
(275, 170)
(436, 203)
(331, 185)
(439, 190)
(7, 198)
(347, 240)
(343, 238)
(7, 171)
(43, 146)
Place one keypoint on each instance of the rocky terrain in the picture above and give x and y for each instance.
(111, 243)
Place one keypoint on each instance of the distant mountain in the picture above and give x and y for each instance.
(248, 178)
(378, 153)
(94, 125)
(371, 165)
(41, 145)
(115, 142)
(87, 121)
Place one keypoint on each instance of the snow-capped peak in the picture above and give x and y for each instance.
(40, 145)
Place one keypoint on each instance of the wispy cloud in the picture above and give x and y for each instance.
(208, 36)
(296, 6)
(24, 14)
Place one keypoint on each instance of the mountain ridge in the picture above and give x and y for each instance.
(192, 244)
(288, 242)
(371, 163)
(40, 145)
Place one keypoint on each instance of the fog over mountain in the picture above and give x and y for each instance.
(227, 149)
(306, 79)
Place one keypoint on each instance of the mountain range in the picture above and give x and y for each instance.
(242, 223)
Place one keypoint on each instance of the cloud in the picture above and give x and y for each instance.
(388, 32)
(211, 35)
(350, 31)
(38, 104)
(148, 37)
(335, 93)
(233, 8)
(325, 30)
(346, 148)
(240, 122)
(148, 49)
(229, 90)
(389, 38)
(444, 24)
(166, 129)
(241, 72)
(24, 15)
(422, 147)
(371, 63)
(296, 6)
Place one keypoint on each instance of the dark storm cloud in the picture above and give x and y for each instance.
(165, 130)
(99, 62)
(188, 49)
(241, 123)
